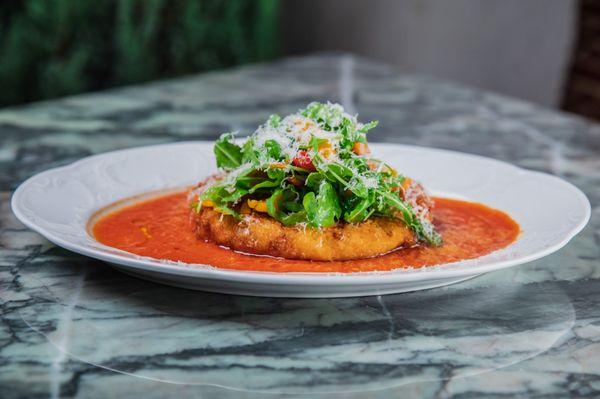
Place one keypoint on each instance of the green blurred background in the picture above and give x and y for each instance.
(51, 48)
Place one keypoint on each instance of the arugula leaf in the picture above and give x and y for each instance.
(225, 210)
(334, 172)
(234, 196)
(275, 203)
(323, 209)
(293, 206)
(265, 185)
(422, 228)
(431, 236)
(314, 180)
(276, 173)
(249, 154)
(368, 126)
(293, 218)
(342, 174)
(282, 200)
(248, 178)
(360, 212)
(228, 154)
(249, 182)
(221, 199)
(273, 149)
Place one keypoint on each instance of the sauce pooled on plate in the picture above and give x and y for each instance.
(161, 228)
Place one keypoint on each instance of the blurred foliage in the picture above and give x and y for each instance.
(51, 48)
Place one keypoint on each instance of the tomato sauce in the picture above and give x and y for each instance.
(161, 228)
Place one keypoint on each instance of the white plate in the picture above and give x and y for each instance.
(58, 203)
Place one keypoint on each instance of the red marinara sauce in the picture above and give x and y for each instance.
(161, 228)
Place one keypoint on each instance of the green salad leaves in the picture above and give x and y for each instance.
(311, 168)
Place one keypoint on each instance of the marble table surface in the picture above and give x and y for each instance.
(74, 327)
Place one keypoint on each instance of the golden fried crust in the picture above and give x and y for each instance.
(260, 234)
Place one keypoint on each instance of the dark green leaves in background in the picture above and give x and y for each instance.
(51, 48)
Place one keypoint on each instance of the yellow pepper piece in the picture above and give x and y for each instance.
(278, 165)
(326, 149)
(258, 205)
(361, 148)
(208, 203)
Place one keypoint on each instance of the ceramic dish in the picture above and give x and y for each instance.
(58, 204)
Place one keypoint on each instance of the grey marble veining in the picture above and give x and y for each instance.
(73, 327)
